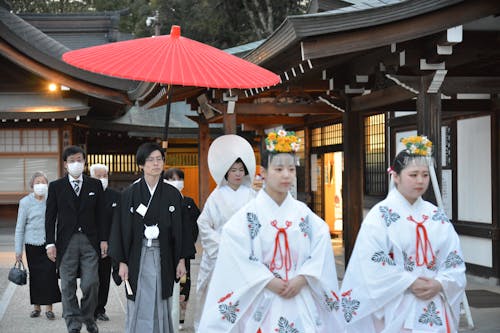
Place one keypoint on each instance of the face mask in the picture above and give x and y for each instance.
(178, 184)
(104, 182)
(75, 169)
(41, 189)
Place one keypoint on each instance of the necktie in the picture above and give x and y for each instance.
(76, 186)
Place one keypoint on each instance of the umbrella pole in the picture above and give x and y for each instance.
(167, 117)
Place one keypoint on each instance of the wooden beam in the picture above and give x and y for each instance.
(258, 109)
(63, 79)
(353, 179)
(459, 84)
(396, 32)
(229, 121)
(203, 171)
(378, 98)
(429, 124)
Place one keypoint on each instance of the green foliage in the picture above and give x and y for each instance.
(221, 23)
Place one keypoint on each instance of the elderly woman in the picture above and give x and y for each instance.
(30, 231)
(146, 240)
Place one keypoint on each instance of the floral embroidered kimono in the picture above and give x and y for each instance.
(397, 243)
(263, 241)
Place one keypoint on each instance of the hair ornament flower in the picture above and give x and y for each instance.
(282, 142)
(418, 145)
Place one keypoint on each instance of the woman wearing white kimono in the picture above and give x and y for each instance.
(275, 271)
(231, 161)
(406, 272)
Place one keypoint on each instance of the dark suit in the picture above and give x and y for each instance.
(111, 198)
(79, 221)
(190, 213)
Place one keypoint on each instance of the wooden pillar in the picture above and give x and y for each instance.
(353, 178)
(307, 167)
(495, 150)
(203, 172)
(229, 120)
(429, 124)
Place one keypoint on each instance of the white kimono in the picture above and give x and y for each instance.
(263, 241)
(397, 243)
(222, 203)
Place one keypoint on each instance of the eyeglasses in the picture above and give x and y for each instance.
(158, 159)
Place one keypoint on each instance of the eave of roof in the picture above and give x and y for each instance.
(37, 45)
(37, 106)
(298, 27)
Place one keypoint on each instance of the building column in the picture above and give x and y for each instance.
(353, 177)
(203, 172)
(229, 120)
(429, 124)
(495, 149)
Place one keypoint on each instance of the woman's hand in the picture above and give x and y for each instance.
(294, 286)
(123, 271)
(425, 288)
(277, 286)
(181, 268)
(19, 257)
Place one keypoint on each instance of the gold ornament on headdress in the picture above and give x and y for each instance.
(418, 145)
(282, 142)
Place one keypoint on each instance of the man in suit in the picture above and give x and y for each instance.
(111, 197)
(75, 208)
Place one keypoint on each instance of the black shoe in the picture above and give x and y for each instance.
(50, 315)
(35, 313)
(74, 330)
(92, 328)
(102, 316)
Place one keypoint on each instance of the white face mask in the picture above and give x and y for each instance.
(75, 169)
(41, 189)
(104, 182)
(178, 184)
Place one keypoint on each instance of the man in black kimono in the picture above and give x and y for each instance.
(146, 238)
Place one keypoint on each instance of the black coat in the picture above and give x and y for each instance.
(127, 232)
(111, 200)
(66, 212)
(190, 213)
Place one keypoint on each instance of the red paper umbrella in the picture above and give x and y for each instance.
(174, 60)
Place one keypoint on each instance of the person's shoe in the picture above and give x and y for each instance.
(92, 328)
(50, 315)
(102, 316)
(35, 313)
(74, 330)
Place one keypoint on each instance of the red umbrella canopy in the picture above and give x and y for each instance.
(171, 59)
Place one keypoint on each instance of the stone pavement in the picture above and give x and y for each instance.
(15, 305)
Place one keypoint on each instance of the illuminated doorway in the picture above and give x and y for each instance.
(333, 165)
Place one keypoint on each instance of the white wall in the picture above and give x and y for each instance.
(477, 250)
(474, 202)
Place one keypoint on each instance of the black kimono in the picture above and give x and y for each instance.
(127, 235)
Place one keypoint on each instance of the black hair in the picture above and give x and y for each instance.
(72, 150)
(238, 160)
(145, 150)
(171, 172)
(402, 160)
(266, 157)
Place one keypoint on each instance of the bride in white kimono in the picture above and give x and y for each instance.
(231, 162)
(406, 272)
(275, 271)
